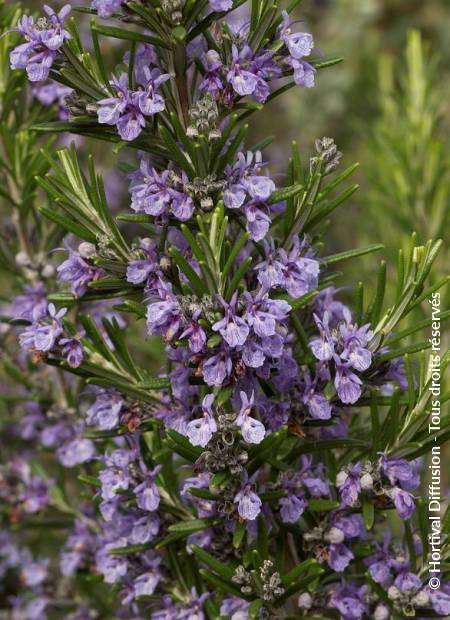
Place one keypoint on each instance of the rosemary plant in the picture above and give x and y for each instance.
(267, 462)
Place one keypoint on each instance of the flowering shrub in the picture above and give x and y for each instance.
(269, 466)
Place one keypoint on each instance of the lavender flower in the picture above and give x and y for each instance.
(106, 8)
(248, 503)
(105, 411)
(220, 5)
(200, 431)
(147, 493)
(42, 336)
(160, 194)
(44, 40)
(128, 109)
(78, 273)
(299, 45)
(252, 430)
(232, 328)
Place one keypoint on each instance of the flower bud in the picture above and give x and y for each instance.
(305, 601)
(48, 271)
(334, 536)
(341, 478)
(87, 250)
(22, 259)
(421, 599)
(366, 481)
(381, 613)
(394, 593)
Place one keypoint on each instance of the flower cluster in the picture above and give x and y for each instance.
(46, 335)
(388, 479)
(44, 40)
(25, 492)
(347, 346)
(214, 432)
(128, 109)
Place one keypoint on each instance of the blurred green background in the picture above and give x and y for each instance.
(387, 106)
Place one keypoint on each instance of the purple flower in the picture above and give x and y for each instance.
(160, 194)
(244, 179)
(248, 503)
(297, 272)
(115, 477)
(150, 102)
(233, 329)
(348, 385)
(212, 82)
(407, 581)
(244, 183)
(48, 93)
(105, 411)
(380, 572)
(220, 5)
(355, 340)
(147, 493)
(195, 609)
(400, 471)
(76, 452)
(196, 335)
(235, 608)
(319, 408)
(299, 45)
(304, 73)
(350, 601)
(165, 317)
(146, 267)
(146, 583)
(291, 508)
(340, 557)
(35, 496)
(258, 221)
(34, 572)
(31, 304)
(243, 81)
(440, 600)
(323, 347)
(112, 567)
(200, 431)
(403, 501)
(43, 42)
(349, 485)
(106, 8)
(78, 273)
(128, 109)
(72, 350)
(252, 430)
(42, 336)
(145, 529)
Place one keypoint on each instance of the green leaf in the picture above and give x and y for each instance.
(197, 283)
(239, 534)
(335, 258)
(195, 525)
(223, 586)
(237, 278)
(129, 35)
(89, 480)
(224, 570)
(293, 574)
(368, 513)
(284, 194)
(68, 224)
(322, 505)
(131, 549)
